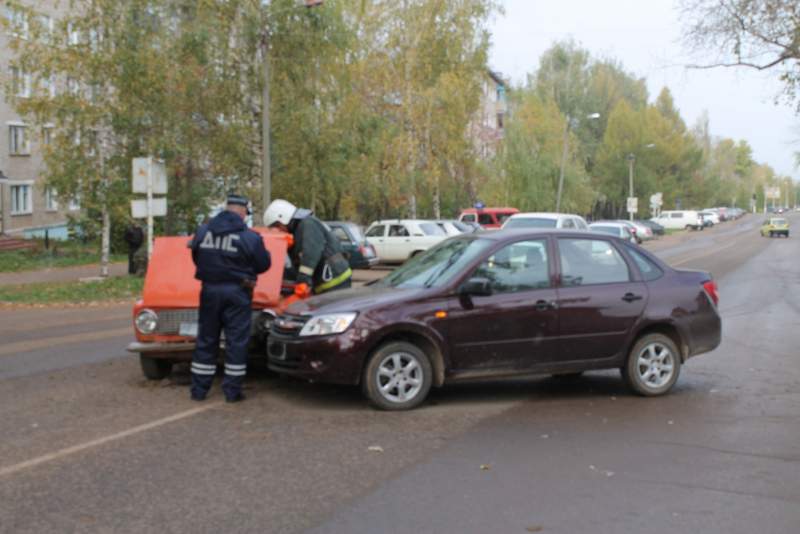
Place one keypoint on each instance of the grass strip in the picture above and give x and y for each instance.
(60, 254)
(114, 288)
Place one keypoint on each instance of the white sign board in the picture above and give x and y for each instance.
(155, 169)
(657, 200)
(633, 204)
(139, 208)
(773, 193)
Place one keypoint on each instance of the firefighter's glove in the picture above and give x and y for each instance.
(302, 290)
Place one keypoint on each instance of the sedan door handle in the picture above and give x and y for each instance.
(544, 305)
(630, 297)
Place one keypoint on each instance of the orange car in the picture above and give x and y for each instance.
(165, 318)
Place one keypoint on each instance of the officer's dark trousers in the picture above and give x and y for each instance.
(222, 306)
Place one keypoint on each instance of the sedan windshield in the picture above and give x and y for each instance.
(437, 265)
(778, 222)
(530, 222)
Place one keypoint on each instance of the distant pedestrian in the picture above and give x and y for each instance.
(229, 257)
(134, 237)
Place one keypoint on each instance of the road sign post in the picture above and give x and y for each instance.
(149, 177)
(633, 206)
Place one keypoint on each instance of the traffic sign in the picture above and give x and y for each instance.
(152, 169)
(139, 208)
(633, 204)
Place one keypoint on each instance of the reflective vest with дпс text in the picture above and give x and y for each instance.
(226, 250)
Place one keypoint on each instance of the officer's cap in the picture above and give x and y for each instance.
(238, 200)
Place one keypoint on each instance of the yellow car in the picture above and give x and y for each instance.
(775, 226)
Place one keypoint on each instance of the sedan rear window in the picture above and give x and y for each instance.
(591, 261)
(778, 222)
(530, 222)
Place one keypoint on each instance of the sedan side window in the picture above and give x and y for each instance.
(591, 261)
(485, 218)
(398, 230)
(521, 266)
(568, 224)
(377, 231)
(650, 271)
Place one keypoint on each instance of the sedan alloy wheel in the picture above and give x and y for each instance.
(653, 365)
(398, 376)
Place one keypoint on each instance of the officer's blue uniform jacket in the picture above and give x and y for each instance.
(226, 254)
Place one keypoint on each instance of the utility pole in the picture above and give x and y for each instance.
(631, 159)
(266, 161)
(563, 164)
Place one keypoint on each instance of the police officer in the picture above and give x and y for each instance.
(229, 257)
(317, 253)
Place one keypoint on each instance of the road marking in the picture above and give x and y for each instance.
(11, 469)
(704, 254)
(26, 346)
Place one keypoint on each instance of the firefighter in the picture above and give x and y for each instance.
(316, 254)
(229, 257)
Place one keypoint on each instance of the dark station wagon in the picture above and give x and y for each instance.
(505, 303)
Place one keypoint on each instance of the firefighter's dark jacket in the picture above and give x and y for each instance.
(226, 250)
(317, 255)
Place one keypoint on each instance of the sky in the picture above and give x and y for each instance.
(645, 36)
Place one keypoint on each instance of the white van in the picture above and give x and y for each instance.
(679, 220)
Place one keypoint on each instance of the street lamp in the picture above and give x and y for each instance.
(3, 180)
(567, 127)
(631, 159)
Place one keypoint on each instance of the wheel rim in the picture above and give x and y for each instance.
(655, 365)
(399, 377)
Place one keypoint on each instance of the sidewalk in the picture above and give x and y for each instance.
(62, 274)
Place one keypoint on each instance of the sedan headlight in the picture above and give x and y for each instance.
(323, 325)
(146, 321)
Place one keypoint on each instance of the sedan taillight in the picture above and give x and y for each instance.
(711, 290)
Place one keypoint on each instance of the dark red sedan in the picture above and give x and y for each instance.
(506, 303)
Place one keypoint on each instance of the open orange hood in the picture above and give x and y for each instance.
(170, 281)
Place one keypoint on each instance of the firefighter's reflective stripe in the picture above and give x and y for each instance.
(203, 369)
(308, 271)
(333, 283)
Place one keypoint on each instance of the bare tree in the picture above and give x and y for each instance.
(757, 34)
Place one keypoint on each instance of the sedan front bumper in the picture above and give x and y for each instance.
(335, 359)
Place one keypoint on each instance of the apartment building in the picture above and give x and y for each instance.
(27, 207)
(489, 128)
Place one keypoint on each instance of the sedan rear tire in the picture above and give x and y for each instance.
(653, 365)
(398, 376)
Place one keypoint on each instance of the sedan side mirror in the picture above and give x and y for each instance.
(479, 287)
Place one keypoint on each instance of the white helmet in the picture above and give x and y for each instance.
(279, 211)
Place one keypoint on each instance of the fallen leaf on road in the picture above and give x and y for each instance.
(375, 448)
(485, 467)
(545, 436)
(535, 529)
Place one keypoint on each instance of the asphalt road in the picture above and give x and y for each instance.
(87, 445)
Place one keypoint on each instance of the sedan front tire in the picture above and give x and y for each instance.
(398, 376)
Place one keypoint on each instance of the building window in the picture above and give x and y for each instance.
(21, 202)
(20, 83)
(17, 22)
(73, 34)
(73, 87)
(50, 199)
(46, 28)
(47, 135)
(501, 93)
(18, 142)
(48, 84)
(74, 203)
(500, 121)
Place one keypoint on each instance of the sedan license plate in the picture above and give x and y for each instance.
(188, 329)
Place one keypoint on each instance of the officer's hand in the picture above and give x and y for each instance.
(302, 290)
